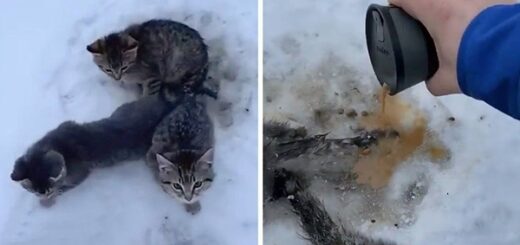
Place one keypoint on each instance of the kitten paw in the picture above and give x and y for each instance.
(47, 202)
(192, 208)
(225, 116)
(153, 87)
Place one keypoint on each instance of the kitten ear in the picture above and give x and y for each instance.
(57, 164)
(62, 174)
(95, 47)
(55, 156)
(163, 163)
(131, 44)
(206, 160)
(207, 156)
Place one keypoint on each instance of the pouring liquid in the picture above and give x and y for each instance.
(382, 97)
(376, 169)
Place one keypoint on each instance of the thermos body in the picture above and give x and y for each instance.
(401, 50)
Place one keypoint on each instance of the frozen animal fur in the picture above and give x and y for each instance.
(315, 221)
(64, 157)
(154, 54)
(283, 143)
(181, 155)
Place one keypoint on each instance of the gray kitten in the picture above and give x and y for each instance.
(154, 53)
(63, 158)
(181, 155)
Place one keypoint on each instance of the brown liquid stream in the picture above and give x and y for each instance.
(382, 97)
(377, 167)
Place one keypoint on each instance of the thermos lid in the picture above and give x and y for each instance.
(401, 50)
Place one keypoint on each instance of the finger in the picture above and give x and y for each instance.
(443, 82)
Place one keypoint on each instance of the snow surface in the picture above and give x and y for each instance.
(314, 49)
(48, 77)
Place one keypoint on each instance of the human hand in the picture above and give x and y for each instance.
(446, 21)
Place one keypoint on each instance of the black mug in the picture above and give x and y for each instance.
(401, 50)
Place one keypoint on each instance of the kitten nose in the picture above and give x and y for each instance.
(188, 197)
(117, 76)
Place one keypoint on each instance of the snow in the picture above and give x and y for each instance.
(314, 50)
(48, 77)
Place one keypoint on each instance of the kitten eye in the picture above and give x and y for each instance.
(124, 68)
(198, 184)
(166, 182)
(177, 186)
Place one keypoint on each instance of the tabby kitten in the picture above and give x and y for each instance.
(153, 53)
(63, 158)
(181, 155)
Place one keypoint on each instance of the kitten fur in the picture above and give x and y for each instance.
(152, 54)
(181, 155)
(63, 158)
(283, 143)
(314, 219)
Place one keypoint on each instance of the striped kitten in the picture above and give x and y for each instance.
(153, 53)
(181, 155)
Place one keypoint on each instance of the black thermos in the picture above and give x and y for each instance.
(401, 50)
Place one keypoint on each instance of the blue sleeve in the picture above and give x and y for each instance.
(488, 63)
